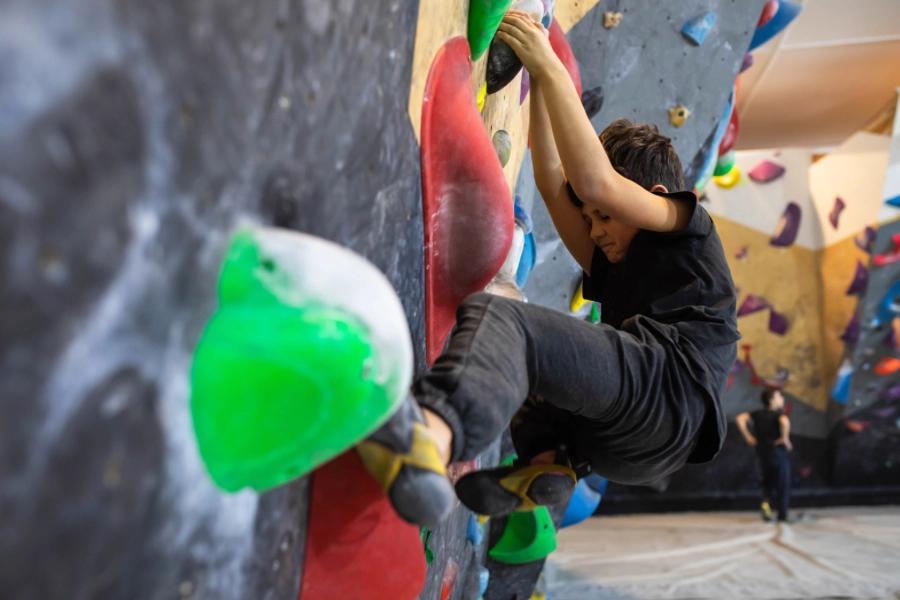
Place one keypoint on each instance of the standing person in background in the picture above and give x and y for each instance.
(771, 437)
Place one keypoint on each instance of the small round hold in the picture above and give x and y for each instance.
(678, 115)
(503, 146)
(612, 19)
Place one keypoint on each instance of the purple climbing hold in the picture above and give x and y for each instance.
(747, 62)
(778, 323)
(788, 227)
(835, 213)
(737, 368)
(886, 412)
(865, 239)
(752, 304)
(860, 279)
(892, 393)
(526, 85)
(766, 171)
(852, 330)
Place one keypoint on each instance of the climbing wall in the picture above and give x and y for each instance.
(133, 137)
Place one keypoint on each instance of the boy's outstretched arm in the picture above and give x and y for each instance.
(586, 165)
(551, 183)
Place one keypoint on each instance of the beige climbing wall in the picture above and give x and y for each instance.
(790, 279)
(441, 20)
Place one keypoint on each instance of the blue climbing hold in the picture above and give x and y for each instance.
(475, 531)
(522, 216)
(889, 307)
(484, 576)
(696, 29)
(895, 201)
(583, 504)
(841, 388)
(526, 263)
(787, 12)
(596, 483)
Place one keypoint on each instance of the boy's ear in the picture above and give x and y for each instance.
(659, 188)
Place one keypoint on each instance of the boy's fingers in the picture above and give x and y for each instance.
(511, 41)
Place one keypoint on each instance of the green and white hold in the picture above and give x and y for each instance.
(295, 367)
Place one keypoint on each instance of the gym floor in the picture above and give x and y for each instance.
(826, 553)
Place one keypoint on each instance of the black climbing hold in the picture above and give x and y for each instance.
(592, 100)
(502, 67)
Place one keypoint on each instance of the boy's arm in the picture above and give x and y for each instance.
(586, 164)
(551, 183)
(785, 425)
(742, 420)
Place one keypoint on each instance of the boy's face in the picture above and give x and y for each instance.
(611, 236)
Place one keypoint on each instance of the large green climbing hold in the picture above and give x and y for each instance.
(293, 368)
(484, 19)
(527, 537)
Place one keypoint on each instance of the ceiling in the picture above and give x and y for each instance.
(829, 74)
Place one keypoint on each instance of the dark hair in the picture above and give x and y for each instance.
(766, 397)
(642, 154)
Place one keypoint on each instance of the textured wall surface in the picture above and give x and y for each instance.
(133, 136)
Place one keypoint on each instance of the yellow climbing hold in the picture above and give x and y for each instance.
(729, 179)
(678, 115)
(482, 94)
(482, 519)
(578, 299)
(612, 19)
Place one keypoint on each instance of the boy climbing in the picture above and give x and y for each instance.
(771, 437)
(632, 398)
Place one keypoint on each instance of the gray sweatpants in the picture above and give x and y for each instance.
(618, 401)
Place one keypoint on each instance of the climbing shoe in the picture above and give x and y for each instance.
(504, 490)
(404, 460)
(766, 512)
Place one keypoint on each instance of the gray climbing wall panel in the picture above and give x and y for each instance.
(133, 136)
(645, 66)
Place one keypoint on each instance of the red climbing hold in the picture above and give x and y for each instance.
(451, 572)
(563, 51)
(731, 134)
(768, 12)
(467, 206)
(889, 257)
(356, 544)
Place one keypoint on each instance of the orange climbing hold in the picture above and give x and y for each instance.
(467, 206)
(887, 365)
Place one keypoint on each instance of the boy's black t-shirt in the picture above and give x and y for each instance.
(677, 288)
(766, 430)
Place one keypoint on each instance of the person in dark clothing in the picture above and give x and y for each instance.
(633, 398)
(771, 438)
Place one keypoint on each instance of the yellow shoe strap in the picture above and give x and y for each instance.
(384, 464)
(520, 480)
